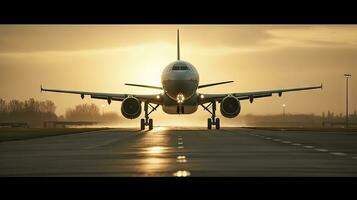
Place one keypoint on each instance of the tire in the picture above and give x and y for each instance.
(218, 123)
(142, 124)
(151, 126)
(209, 124)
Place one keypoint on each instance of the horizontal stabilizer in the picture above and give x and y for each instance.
(145, 86)
(213, 84)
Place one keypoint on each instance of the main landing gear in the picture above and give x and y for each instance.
(213, 120)
(147, 121)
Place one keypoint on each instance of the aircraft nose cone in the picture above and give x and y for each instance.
(180, 90)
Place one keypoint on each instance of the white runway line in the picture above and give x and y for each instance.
(180, 143)
(182, 173)
(354, 157)
(276, 140)
(309, 147)
(181, 159)
(296, 144)
(322, 150)
(338, 154)
(286, 142)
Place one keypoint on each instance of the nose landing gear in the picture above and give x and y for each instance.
(147, 121)
(213, 120)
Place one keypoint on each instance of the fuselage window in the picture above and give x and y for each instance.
(175, 68)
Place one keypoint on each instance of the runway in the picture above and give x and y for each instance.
(233, 152)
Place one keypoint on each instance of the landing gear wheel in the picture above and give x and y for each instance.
(209, 123)
(142, 124)
(218, 123)
(213, 120)
(151, 124)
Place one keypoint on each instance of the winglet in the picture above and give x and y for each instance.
(41, 88)
(321, 86)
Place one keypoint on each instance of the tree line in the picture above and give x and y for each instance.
(90, 112)
(35, 112)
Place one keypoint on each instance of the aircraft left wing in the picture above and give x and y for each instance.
(252, 95)
(150, 98)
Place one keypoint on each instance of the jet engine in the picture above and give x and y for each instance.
(230, 106)
(131, 108)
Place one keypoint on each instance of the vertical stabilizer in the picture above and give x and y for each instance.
(178, 44)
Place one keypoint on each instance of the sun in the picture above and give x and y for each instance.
(151, 65)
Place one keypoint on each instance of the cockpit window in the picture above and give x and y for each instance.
(180, 67)
(184, 68)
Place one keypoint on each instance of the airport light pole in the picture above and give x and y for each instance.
(284, 111)
(347, 76)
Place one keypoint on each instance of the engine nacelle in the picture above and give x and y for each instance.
(131, 108)
(230, 107)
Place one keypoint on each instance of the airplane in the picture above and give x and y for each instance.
(179, 95)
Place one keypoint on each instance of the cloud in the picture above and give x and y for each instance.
(313, 37)
(205, 40)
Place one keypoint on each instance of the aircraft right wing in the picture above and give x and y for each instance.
(251, 95)
(150, 98)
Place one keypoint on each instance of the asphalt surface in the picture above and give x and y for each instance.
(235, 152)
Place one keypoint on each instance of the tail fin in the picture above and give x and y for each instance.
(178, 44)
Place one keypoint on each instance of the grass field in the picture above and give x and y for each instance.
(9, 134)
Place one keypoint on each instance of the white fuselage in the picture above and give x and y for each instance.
(180, 81)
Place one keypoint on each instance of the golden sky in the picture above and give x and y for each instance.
(257, 57)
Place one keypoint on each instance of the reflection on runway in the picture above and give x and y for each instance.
(156, 146)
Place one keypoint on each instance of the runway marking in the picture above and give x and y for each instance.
(306, 146)
(338, 154)
(180, 143)
(181, 159)
(182, 173)
(322, 150)
(354, 157)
